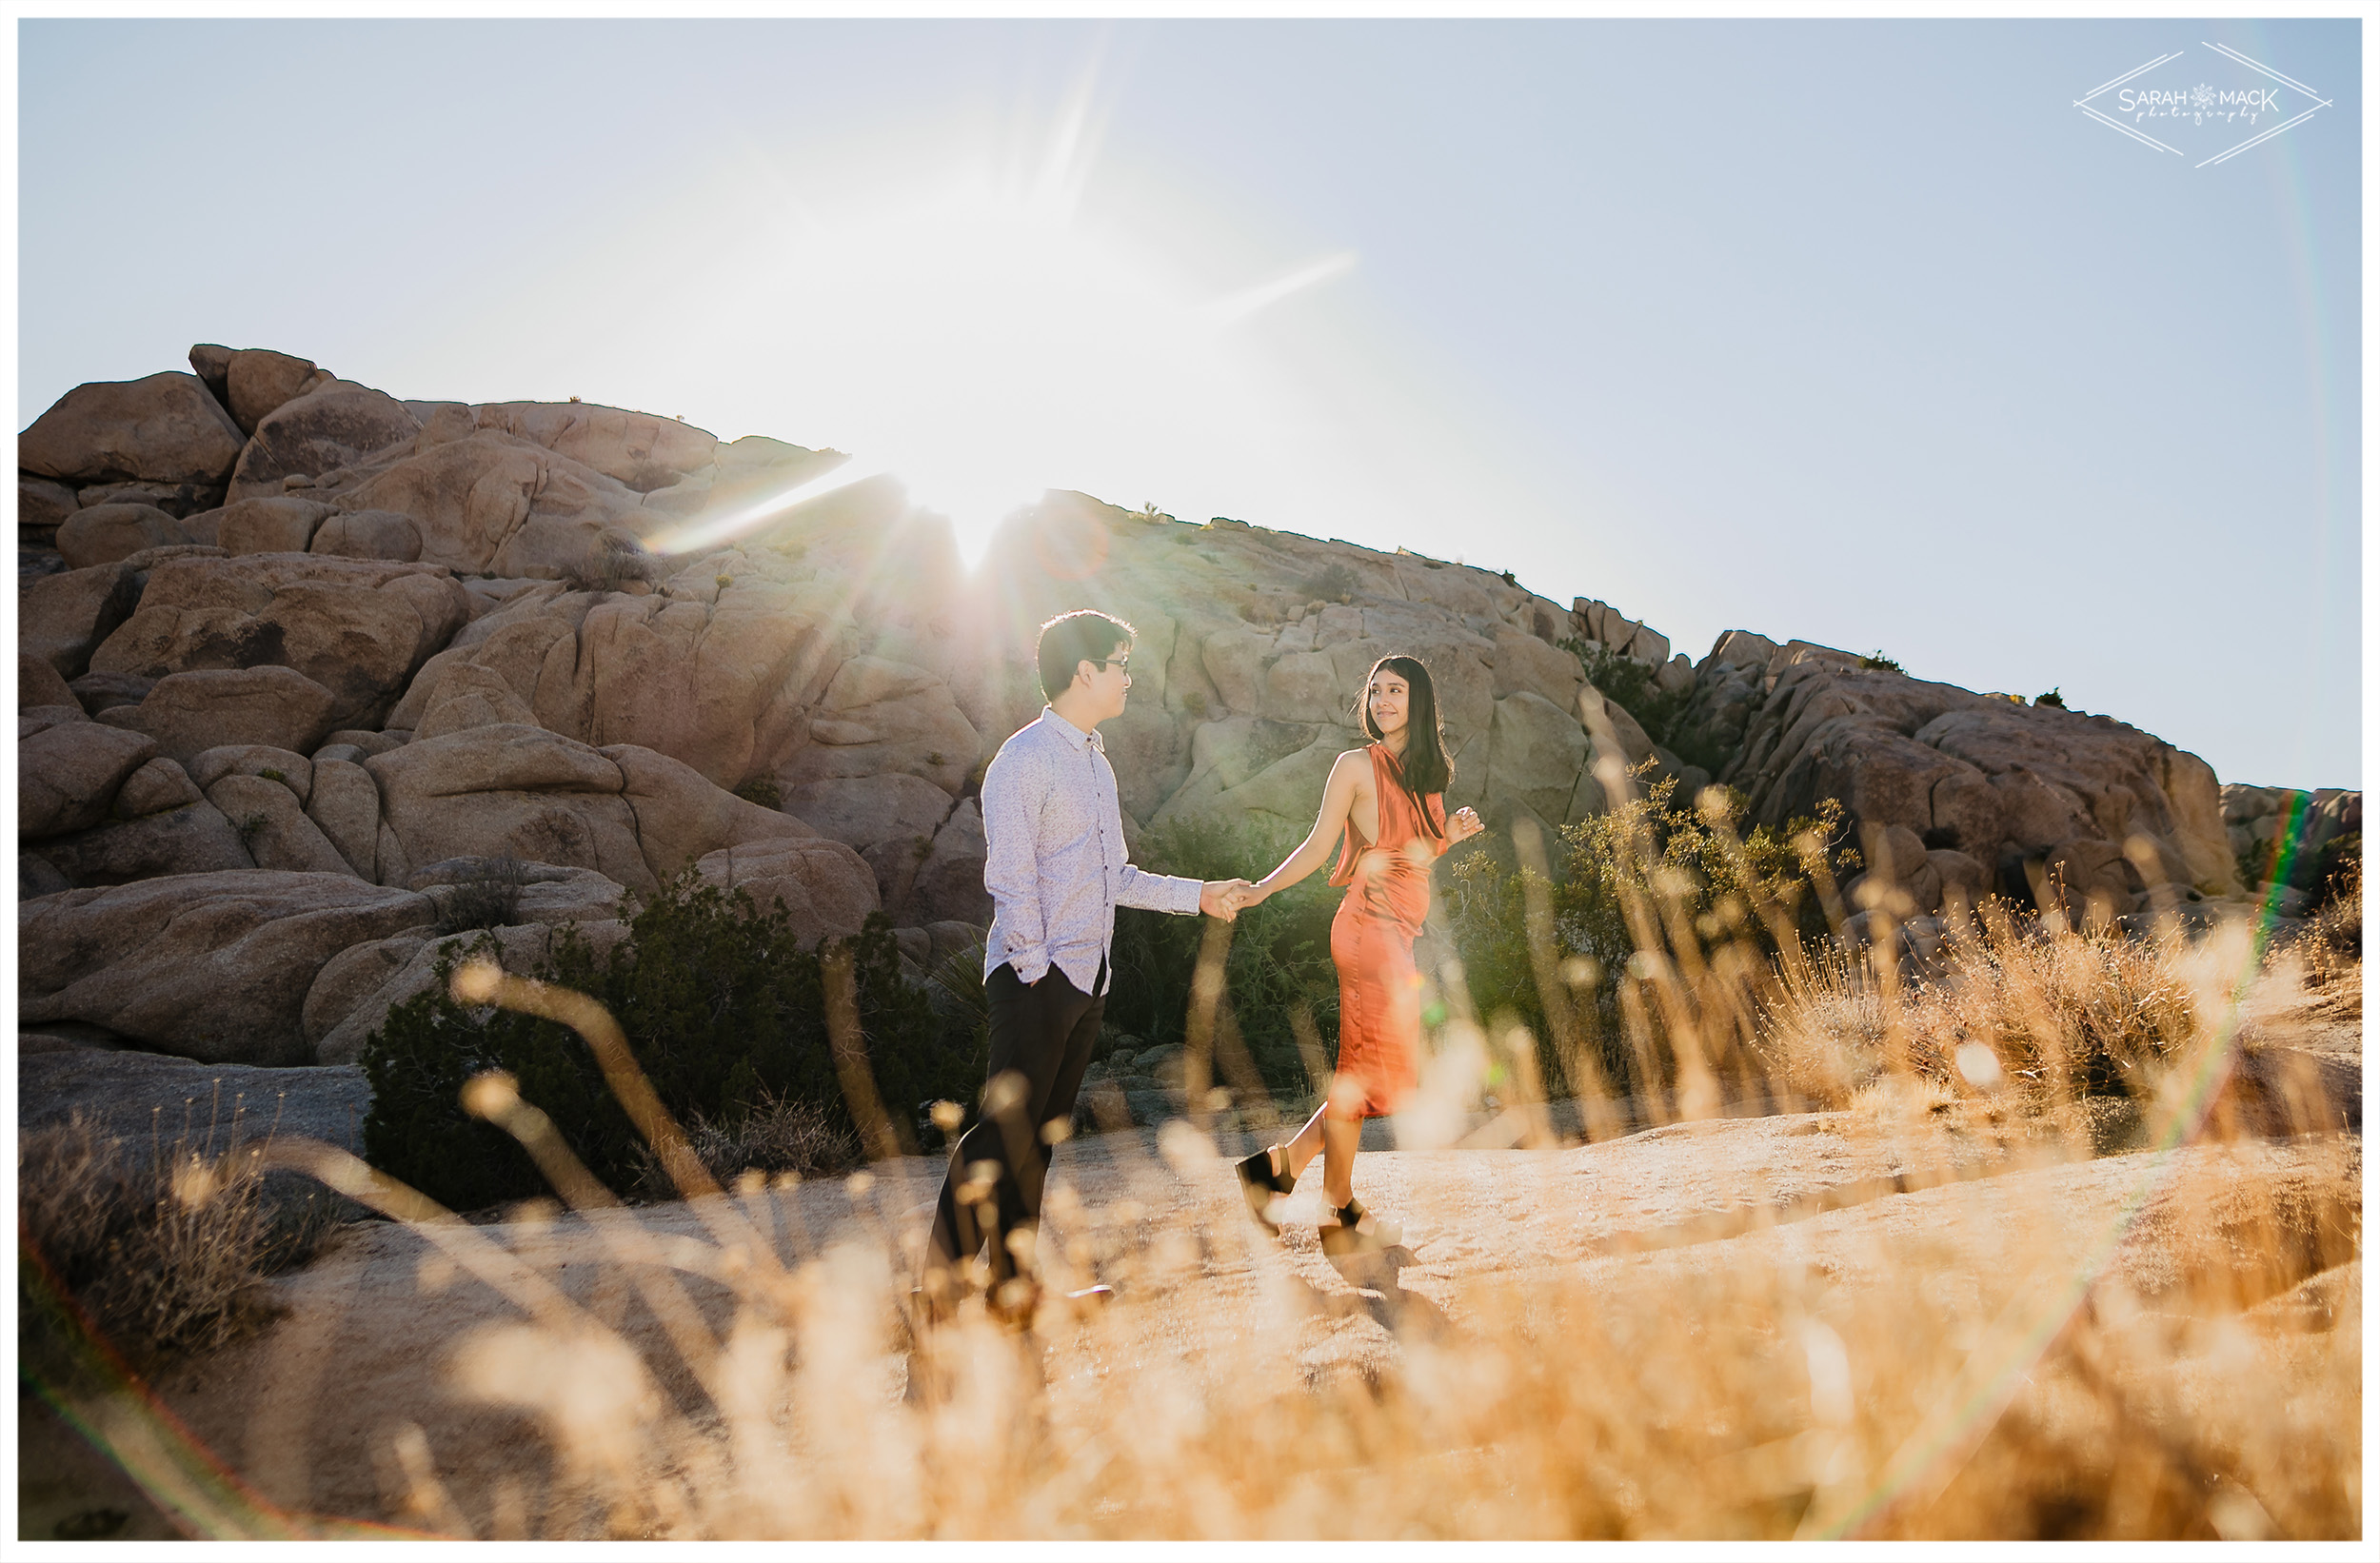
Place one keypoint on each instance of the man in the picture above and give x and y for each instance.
(1057, 870)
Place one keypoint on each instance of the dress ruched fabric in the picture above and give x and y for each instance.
(1379, 992)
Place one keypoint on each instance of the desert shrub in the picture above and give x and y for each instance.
(725, 1010)
(614, 561)
(2335, 871)
(1630, 684)
(2051, 698)
(1876, 662)
(1646, 889)
(2321, 874)
(1279, 966)
(2061, 1015)
(162, 1260)
(1331, 584)
(2333, 944)
(486, 895)
(776, 1136)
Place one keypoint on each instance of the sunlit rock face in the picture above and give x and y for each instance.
(2023, 790)
(627, 583)
(608, 643)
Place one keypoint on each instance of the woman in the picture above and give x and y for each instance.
(1387, 797)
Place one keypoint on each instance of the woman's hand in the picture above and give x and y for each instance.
(1465, 824)
(1222, 898)
(1247, 895)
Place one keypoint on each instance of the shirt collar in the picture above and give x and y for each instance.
(1068, 731)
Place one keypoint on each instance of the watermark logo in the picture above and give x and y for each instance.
(2159, 104)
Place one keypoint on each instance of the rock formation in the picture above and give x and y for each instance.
(290, 645)
(2005, 783)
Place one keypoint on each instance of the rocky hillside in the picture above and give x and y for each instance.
(295, 656)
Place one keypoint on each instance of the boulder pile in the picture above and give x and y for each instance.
(291, 647)
(1964, 793)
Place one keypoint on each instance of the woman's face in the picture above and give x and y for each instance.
(1389, 695)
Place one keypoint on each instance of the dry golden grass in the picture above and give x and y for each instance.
(163, 1259)
(1937, 1311)
(778, 1136)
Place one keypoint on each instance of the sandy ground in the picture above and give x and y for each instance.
(314, 1417)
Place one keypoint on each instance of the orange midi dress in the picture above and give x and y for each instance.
(1379, 992)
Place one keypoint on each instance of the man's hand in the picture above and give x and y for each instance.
(1222, 898)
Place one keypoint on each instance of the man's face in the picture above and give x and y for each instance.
(1109, 680)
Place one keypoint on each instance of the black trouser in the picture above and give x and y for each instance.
(1041, 1038)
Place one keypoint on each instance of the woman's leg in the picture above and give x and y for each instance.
(1340, 1138)
(1332, 1138)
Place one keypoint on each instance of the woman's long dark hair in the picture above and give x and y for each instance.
(1426, 766)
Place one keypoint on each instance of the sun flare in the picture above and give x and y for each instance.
(983, 348)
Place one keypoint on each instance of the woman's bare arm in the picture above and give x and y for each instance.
(1338, 796)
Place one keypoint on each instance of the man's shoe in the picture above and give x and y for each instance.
(1262, 1184)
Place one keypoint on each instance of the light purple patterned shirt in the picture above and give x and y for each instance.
(1055, 861)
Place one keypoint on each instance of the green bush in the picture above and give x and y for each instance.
(1705, 872)
(1629, 684)
(2336, 872)
(2323, 873)
(487, 896)
(725, 1011)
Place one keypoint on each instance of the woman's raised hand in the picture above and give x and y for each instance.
(1465, 824)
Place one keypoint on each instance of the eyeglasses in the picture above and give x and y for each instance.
(1102, 664)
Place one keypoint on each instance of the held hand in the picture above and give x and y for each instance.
(1222, 898)
(1465, 824)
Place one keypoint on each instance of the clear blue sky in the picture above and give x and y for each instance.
(1854, 331)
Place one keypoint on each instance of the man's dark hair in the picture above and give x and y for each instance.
(1077, 636)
